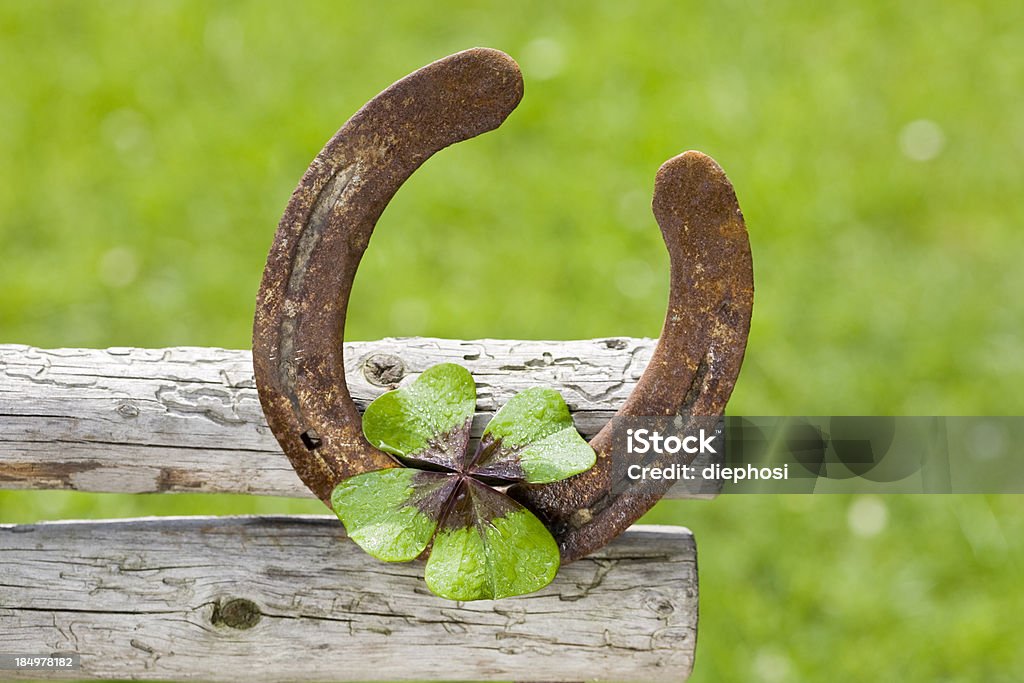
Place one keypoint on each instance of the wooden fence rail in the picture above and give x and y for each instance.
(188, 419)
(287, 599)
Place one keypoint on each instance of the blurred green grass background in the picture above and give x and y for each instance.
(148, 149)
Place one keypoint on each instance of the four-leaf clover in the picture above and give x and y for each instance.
(483, 544)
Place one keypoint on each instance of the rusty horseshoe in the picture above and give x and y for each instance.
(300, 314)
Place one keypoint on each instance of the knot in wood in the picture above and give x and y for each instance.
(128, 409)
(383, 369)
(236, 613)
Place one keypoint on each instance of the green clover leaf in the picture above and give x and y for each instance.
(483, 544)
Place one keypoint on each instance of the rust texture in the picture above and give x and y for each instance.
(300, 310)
(300, 315)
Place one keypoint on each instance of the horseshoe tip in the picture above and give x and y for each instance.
(491, 54)
(691, 161)
(685, 176)
(501, 62)
(494, 75)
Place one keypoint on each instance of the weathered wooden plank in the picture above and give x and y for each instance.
(189, 420)
(290, 599)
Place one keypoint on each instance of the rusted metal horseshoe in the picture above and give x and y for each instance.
(300, 314)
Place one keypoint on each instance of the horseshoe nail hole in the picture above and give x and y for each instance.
(310, 439)
(236, 613)
(581, 518)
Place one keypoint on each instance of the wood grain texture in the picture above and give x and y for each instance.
(290, 599)
(188, 419)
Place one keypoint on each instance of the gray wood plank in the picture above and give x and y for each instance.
(290, 599)
(188, 419)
